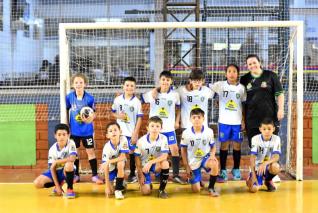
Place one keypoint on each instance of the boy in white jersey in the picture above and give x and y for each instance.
(231, 96)
(265, 152)
(151, 156)
(127, 110)
(62, 155)
(194, 95)
(165, 103)
(113, 160)
(198, 151)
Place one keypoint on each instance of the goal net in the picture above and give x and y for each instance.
(109, 52)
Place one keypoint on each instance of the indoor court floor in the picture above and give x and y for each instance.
(291, 196)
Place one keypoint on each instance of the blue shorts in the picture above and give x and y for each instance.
(59, 173)
(148, 176)
(172, 138)
(131, 146)
(112, 175)
(196, 174)
(230, 133)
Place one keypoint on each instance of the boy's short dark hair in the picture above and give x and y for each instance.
(197, 111)
(267, 121)
(112, 124)
(155, 119)
(166, 74)
(196, 75)
(79, 75)
(252, 56)
(130, 78)
(233, 65)
(62, 127)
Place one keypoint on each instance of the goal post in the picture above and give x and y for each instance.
(295, 44)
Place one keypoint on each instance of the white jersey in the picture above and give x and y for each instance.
(191, 100)
(265, 149)
(148, 150)
(198, 145)
(111, 152)
(230, 102)
(55, 153)
(164, 106)
(132, 109)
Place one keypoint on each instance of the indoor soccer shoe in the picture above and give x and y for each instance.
(132, 179)
(236, 174)
(222, 177)
(276, 179)
(270, 186)
(177, 179)
(70, 194)
(119, 195)
(213, 193)
(97, 180)
(162, 194)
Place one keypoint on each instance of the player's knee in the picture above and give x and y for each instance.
(37, 183)
(236, 146)
(174, 150)
(90, 153)
(165, 164)
(145, 190)
(121, 165)
(225, 146)
(196, 188)
(274, 168)
(69, 167)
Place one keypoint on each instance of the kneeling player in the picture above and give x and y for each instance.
(114, 158)
(264, 157)
(62, 155)
(198, 151)
(151, 156)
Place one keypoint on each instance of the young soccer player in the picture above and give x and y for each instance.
(166, 105)
(198, 151)
(231, 96)
(113, 160)
(62, 155)
(82, 128)
(127, 110)
(265, 152)
(194, 95)
(151, 156)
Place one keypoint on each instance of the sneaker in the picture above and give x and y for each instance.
(222, 178)
(76, 179)
(132, 179)
(70, 194)
(119, 195)
(162, 194)
(270, 186)
(236, 174)
(276, 179)
(213, 193)
(97, 180)
(177, 179)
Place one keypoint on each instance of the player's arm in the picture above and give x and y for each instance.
(280, 103)
(140, 174)
(178, 117)
(253, 154)
(135, 134)
(121, 157)
(212, 152)
(184, 155)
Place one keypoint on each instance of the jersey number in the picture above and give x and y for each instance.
(192, 143)
(89, 141)
(189, 98)
(157, 101)
(121, 107)
(147, 151)
(225, 93)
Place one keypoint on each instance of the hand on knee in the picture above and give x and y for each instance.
(274, 168)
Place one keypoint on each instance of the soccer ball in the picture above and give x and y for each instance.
(87, 114)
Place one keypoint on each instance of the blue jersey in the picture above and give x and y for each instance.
(74, 106)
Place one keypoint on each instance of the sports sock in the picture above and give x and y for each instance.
(76, 163)
(69, 179)
(175, 165)
(212, 181)
(236, 158)
(132, 164)
(119, 184)
(49, 185)
(164, 175)
(223, 158)
(93, 163)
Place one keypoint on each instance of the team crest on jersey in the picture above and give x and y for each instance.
(73, 148)
(238, 95)
(249, 86)
(125, 146)
(158, 148)
(169, 103)
(204, 142)
(264, 84)
(202, 99)
(131, 109)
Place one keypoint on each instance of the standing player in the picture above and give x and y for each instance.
(231, 96)
(166, 105)
(194, 95)
(127, 110)
(82, 128)
(264, 157)
(113, 160)
(151, 156)
(198, 151)
(62, 155)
